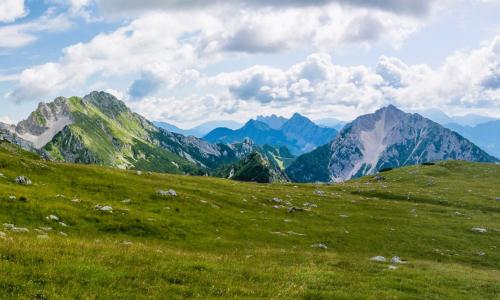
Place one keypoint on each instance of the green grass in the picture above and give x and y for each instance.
(223, 239)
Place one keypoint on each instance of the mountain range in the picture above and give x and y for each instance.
(442, 118)
(298, 134)
(388, 138)
(200, 130)
(100, 129)
(485, 135)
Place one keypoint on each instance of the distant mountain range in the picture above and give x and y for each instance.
(442, 118)
(331, 123)
(200, 130)
(485, 135)
(100, 129)
(299, 134)
(274, 121)
(388, 138)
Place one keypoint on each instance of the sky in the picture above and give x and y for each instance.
(191, 61)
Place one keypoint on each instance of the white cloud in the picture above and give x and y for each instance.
(10, 10)
(466, 80)
(19, 35)
(410, 7)
(163, 49)
(6, 120)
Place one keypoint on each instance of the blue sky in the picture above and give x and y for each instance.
(191, 61)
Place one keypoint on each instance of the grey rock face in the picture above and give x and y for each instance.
(391, 138)
(45, 122)
(23, 180)
(386, 139)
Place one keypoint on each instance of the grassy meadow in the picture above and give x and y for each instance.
(222, 239)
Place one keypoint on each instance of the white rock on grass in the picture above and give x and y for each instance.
(19, 229)
(126, 201)
(8, 226)
(319, 193)
(63, 224)
(62, 234)
(52, 218)
(2, 234)
(479, 230)
(391, 267)
(12, 197)
(104, 208)
(378, 258)
(23, 180)
(276, 200)
(397, 260)
(170, 192)
(320, 246)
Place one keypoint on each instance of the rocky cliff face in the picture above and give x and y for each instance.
(385, 139)
(45, 122)
(100, 129)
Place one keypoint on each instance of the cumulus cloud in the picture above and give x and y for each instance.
(410, 7)
(11, 10)
(163, 50)
(468, 79)
(19, 35)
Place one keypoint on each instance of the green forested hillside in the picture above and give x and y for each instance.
(88, 232)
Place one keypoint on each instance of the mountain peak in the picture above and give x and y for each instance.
(256, 124)
(108, 103)
(390, 138)
(273, 121)
(299, 117)
(391, 109)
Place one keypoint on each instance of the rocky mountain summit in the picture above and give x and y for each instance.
(100, 129)
(387, 138)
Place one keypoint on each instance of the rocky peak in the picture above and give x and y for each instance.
(45, 122)
(107, 103)
(274, 121)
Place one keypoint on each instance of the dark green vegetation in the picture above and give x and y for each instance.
(312, 166)
(255, 168)
(224, 239)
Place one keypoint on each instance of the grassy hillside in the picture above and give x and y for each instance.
(224, 239)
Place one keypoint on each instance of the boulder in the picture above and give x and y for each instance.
(397, 260)
(479, 230)
(320, 246)
(23, 180)
(378, 258)
(52, 218)
(19, 229)
(104, 208)
(170, 192)
(295, 209)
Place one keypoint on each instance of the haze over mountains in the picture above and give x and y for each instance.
(200, 130)
(298, 133)
(100, 129)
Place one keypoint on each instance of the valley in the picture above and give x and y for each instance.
(82, 231)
